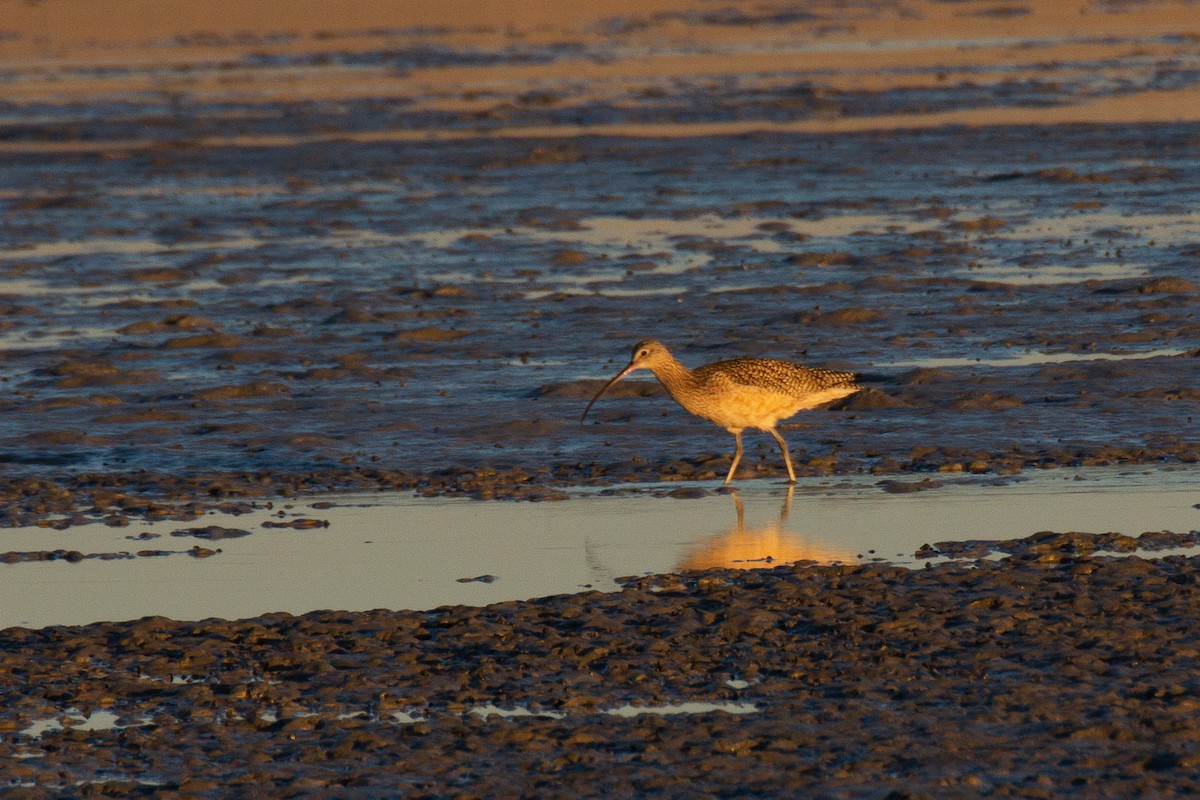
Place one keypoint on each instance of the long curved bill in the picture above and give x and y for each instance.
(632, 366)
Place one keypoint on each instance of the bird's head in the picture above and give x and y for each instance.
(646, 355)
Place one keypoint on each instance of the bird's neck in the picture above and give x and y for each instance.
(675, 377)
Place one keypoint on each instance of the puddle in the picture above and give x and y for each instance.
(683, 708)
(400, 552)
(95, 721)
(658, 238)
(37, 340)
(628, 711)
(1163, 229)
(1055, 274)
(108, 721)
(150, 247)
(492, 710)
(1030, 358)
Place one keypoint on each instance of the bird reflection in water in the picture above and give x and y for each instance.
(766, 546)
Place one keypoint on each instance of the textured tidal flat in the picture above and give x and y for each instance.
(244, 259)
(211, 278)
(1001, 324)
(1047, 675)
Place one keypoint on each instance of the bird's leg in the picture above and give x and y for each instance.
(737, 457)
(787, 459)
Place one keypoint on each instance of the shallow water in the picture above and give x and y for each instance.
(392, 551)
(237, 281)
(106, 720)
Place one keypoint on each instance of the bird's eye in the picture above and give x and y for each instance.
(643, 354)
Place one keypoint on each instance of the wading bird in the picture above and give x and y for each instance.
(739, 393)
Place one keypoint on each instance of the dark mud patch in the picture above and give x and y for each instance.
(1015, 676)
(241, 391)
(212, 532)
(479, 579)
(1052, 545)
(81, 374)
(298, 524)
(909, 487)
(75, 556)
(26, 501)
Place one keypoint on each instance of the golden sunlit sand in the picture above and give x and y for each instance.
(61, 51)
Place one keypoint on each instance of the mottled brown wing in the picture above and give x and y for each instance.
(776, 376)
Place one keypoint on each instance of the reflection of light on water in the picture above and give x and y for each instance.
(93, 296)
(1055, 274)
(459, 277)
(97, 246)
(25, 287)
(665, 291)
(15, 340)
(652, 239)
(397, 551)
(662, 291)
(849, 224)
(761, 546)
(87, 247)
(96, 721)
(534, 363)
(666, 259)
(108, 721)
(659, 231)
(657, 238)
(1164, 229)
(627, 710)
(492, 710)
(1031, 357)
(683, 708)
(663, 233)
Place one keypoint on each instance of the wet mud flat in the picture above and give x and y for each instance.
(247, 264)
(230, 369)
(1052, 673)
